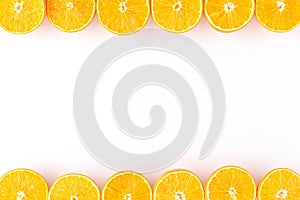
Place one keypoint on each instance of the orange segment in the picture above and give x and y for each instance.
(22, 184)
(279, 184)
(177, 15)
(74, 187)
(230, 183)
(278, 15)
(21, 16)
(127, 185)
(229, 15)
(71, 15)
(178, 184)
(123, 16)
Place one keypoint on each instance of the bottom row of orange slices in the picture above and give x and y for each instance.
(227, 183)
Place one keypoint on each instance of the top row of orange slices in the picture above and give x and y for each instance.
(129, 16)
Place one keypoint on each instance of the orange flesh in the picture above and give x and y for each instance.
(23, 184)
(278, 15)
(127, 186)
(21, 16)
(123, 16)
(230, 183)
(178, 184)
(229, 16)
(74, 187)
(176, 15)
(280, 184)
(71, 15)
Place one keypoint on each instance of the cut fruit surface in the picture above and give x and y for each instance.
(123, 16)
(278, 15)
(22, 184)
(178, 185)
(279, 184)
(21, 16)
(229, 15)
(230, 183)
(177, 15)
(74, 187)
(127, 185)
(71, 15)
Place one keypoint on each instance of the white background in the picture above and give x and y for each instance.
(260, 72)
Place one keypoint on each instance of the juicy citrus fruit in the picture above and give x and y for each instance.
(123, 16)
(230, 183)
(127, 185)
(74, 187)
(176, 15)
(71, 15)
(278, 15)
(280, 184)
(22, 184)
(21, 16)
(229, 15)
(178, 184)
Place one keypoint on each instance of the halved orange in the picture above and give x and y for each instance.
(278, 15)
(229, 15)
(74, 187)
(178, 185)
(21, 16)
(230, 183)
(176, 16)
(123, 16)
(71, 15)
(279, 184)
(23, 184)
(127, 185)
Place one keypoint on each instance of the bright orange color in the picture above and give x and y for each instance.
(278, 15)
(178, 184)
(279, 184)
(229, 16)
(177, 16)
(230, 183)
(127, 185)
(21, 16)
(74, 187)
(22, 184)
(123, 16)
(71, 15)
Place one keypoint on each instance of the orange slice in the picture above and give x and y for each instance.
(22, 184)
(74, 187)
(278, 15)
(229, 15)
(178, 184)
(230, 183)
(127, 185)
(279, 184)
(71, 15)
(123, 16)
(21, 16)
(176, 16)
